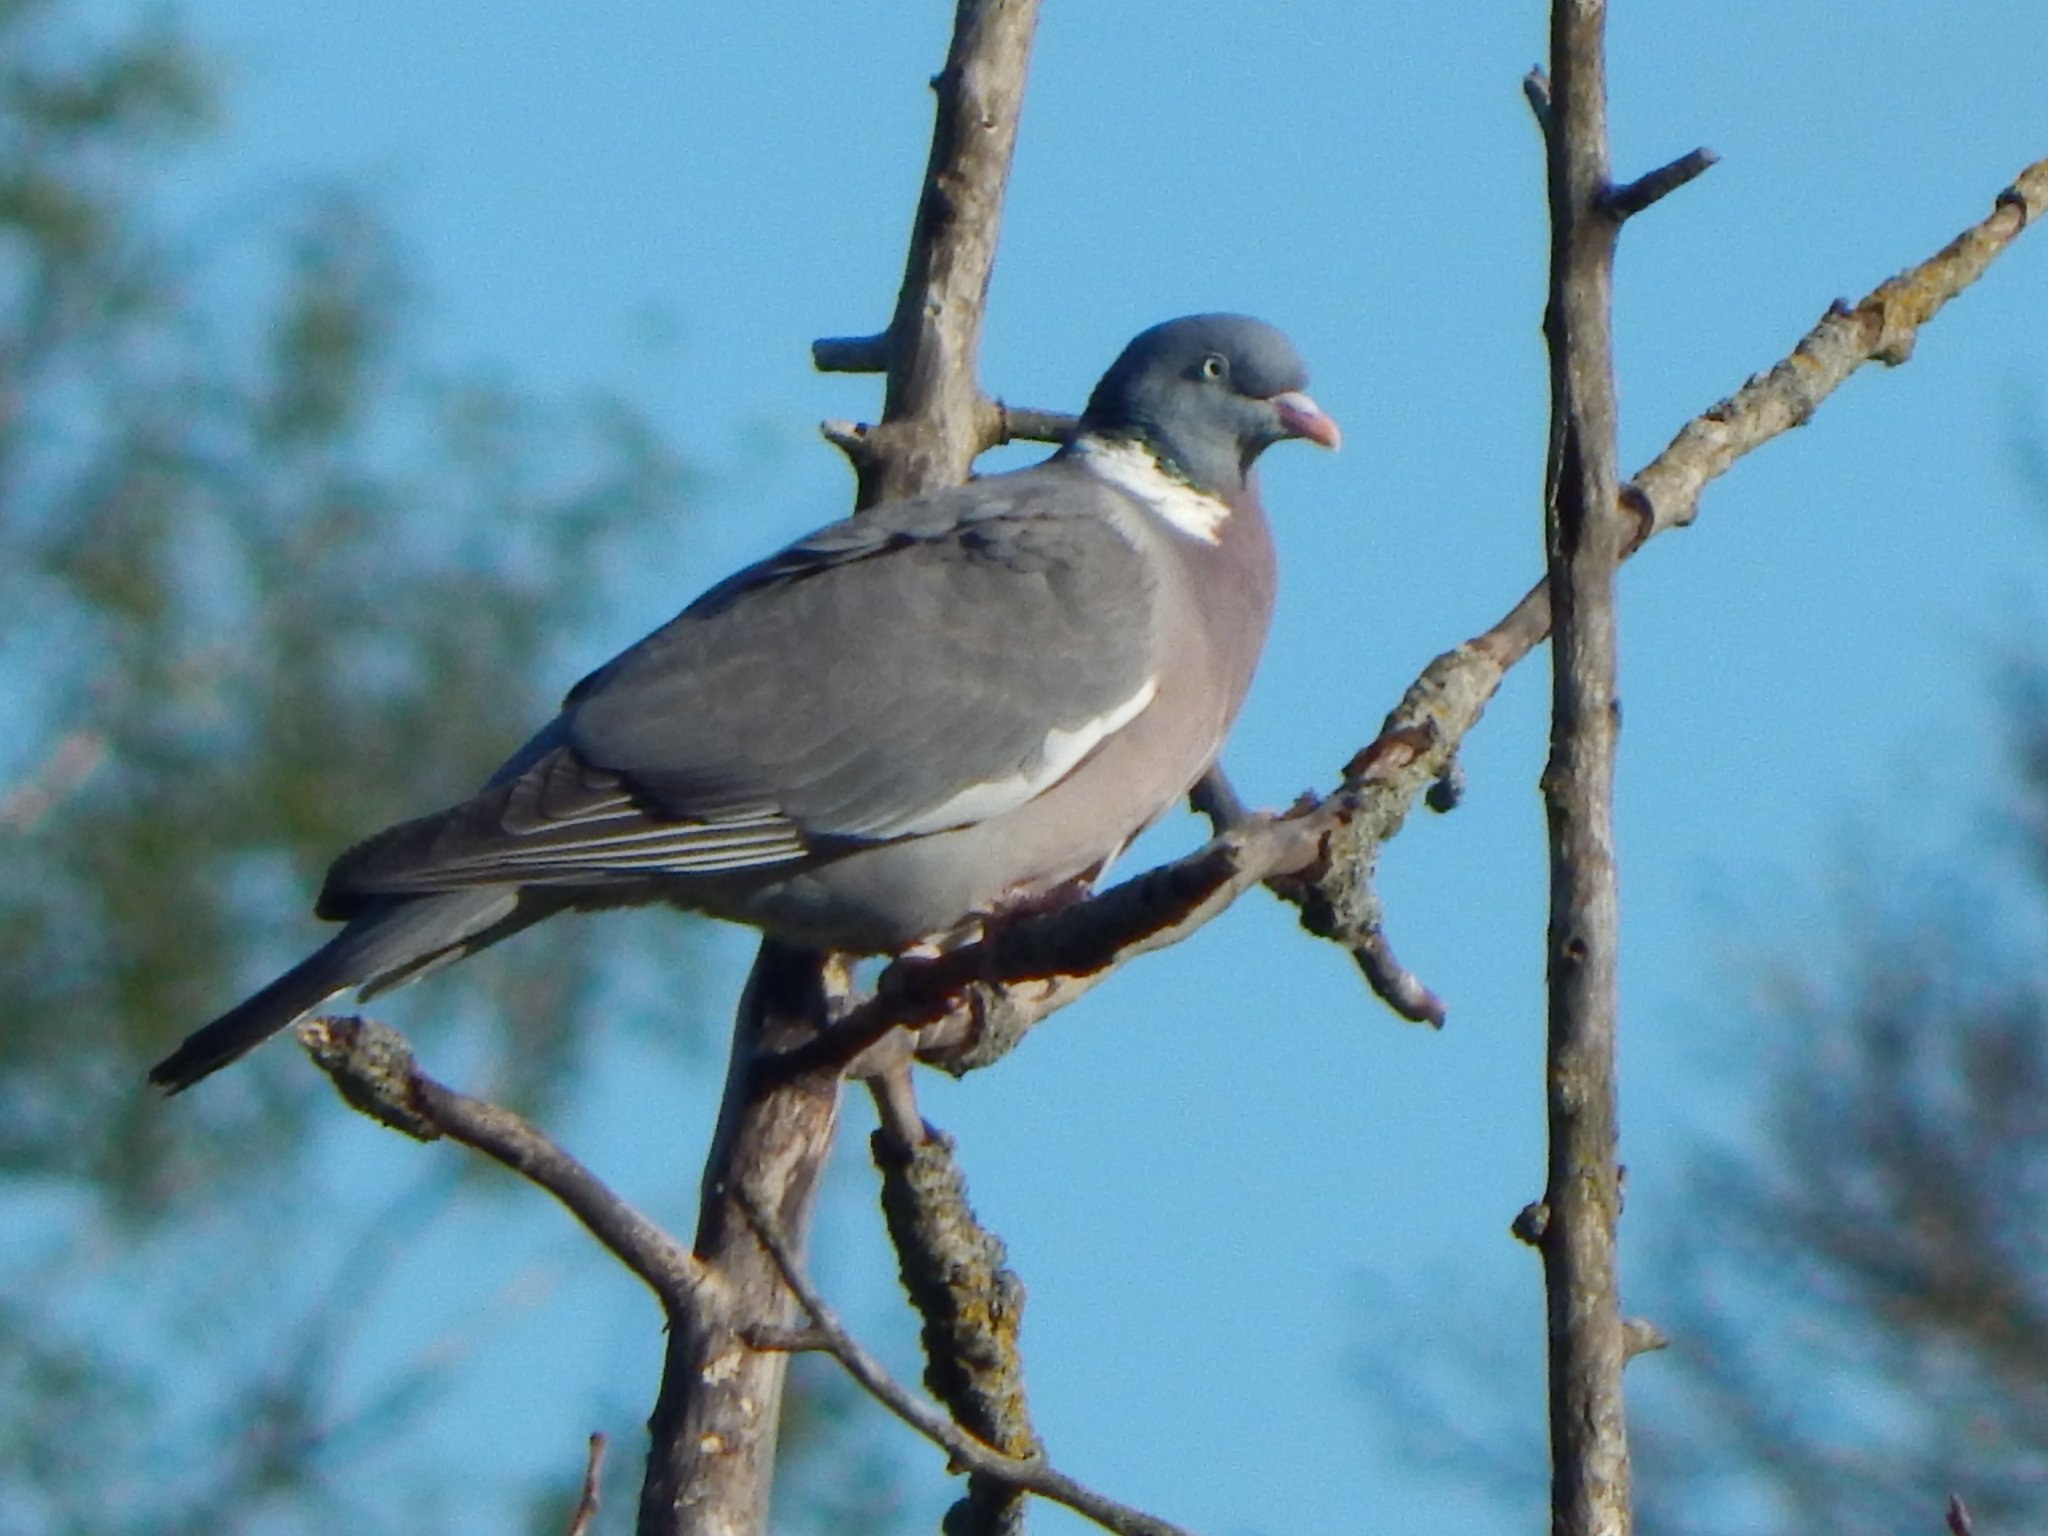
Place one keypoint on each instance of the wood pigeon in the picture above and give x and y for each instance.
(942, 709)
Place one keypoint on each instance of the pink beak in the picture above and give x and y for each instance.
(1302, 417)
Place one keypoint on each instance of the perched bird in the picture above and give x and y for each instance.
(941, 709)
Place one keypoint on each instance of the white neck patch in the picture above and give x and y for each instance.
(1132, 469)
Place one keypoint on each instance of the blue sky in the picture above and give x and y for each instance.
(1233, 1175)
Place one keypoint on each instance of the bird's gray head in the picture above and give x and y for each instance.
(1208, 394)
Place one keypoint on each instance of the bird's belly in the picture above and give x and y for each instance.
(880, 898)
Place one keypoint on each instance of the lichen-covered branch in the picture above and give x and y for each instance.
(1030, 1473)
(1882, 328)
(958, 1278)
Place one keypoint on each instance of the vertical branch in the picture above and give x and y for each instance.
(1584, 539)
(935, 336)
(711, 1456)
(935, 418)
(714, 1426)
(935, 421)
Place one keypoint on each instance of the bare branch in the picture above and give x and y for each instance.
(373, 1068)
(1585, 536)
(714, 1425)
(1625, 202)
(1022, 424)
(935, 419)
(851, 354)
(586, 1504)
(1421, 736)
(1639, 1336)
(712, 1433)
(971, 1005)
(1881, 328)
(1031, 1473)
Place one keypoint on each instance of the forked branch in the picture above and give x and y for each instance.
(1418, 743)
(1033, 1474)
(373, 1068)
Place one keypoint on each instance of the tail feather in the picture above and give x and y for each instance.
(248, 1024)
(384, 946)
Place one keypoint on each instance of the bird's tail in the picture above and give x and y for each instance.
(388, 944)
(249, 1023)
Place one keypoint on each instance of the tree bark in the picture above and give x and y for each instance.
(711, 1461)
(1584, 536)
(711, 1456)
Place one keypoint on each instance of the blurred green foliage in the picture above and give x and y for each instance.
(265, 585)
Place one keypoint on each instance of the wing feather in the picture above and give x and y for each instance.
(928, 664)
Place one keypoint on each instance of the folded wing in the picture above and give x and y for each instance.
(936, 663)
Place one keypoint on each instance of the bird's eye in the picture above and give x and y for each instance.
(1214, 367)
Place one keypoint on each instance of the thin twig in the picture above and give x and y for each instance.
(1215, 797)
(851, 354)
(1023, 424)
(829, 1334)
(1536, 91)
(1625, 202)
(1031, 1473)
(1397, 986)
(373, 1068)
(586, 1503)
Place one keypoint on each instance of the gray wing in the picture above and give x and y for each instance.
(932, 663)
